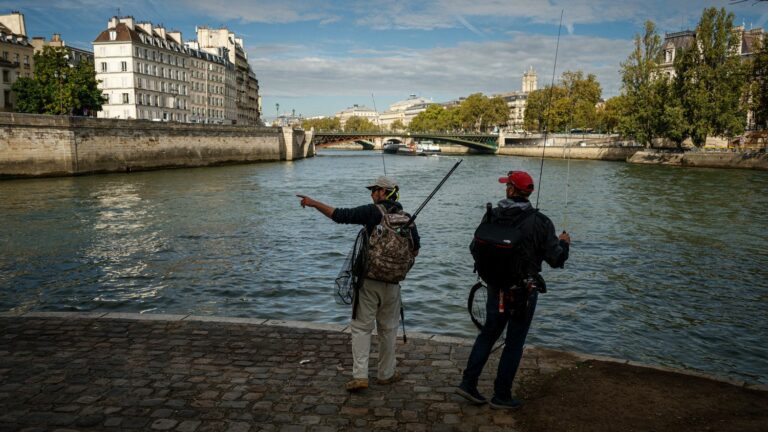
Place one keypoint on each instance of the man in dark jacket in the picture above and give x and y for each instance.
(540, 244)
(377, 300)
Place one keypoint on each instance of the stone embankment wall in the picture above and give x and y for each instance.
(612, 153)
(36, 145)
(705, 159)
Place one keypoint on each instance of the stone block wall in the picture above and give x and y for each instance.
(36, 145)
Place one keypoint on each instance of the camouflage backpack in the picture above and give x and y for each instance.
(390, 248)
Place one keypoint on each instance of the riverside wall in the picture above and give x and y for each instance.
(42, 145)
(610, 153)
(704, 159)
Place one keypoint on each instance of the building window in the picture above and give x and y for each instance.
(103, 66)
(125, 98)
(112, 35)
(123, 66)
(5, 76)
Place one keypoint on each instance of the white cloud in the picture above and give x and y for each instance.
(488, 67)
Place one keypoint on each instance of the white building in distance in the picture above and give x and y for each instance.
(404, 111)
(143, 69)
(517, 101)
(358, 111)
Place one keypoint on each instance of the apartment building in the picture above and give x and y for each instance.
(674, 43)
(517, 101)
(358, 111)
(404, 110)
(144, 71)
(16, 57)
(246, 86)
(208, 86)
(74, 55)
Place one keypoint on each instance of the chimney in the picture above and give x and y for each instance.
(176, 36)
(15, 23)
(56, 37)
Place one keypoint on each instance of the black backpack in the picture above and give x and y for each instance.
(500, 259)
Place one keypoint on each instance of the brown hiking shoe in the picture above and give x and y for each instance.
(393, 379)
(357, 384)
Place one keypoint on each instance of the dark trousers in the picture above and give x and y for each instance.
(517, 330)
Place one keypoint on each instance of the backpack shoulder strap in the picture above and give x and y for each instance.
(384, 212)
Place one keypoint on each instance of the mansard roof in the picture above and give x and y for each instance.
(124, 34)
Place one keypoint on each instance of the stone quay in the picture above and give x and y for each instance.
(117, 371)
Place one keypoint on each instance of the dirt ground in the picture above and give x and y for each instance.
(599, 396)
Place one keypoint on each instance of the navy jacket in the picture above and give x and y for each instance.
(370, 216)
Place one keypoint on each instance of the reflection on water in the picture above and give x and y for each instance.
(668, 264)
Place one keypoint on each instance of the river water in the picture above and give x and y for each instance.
(668, 264)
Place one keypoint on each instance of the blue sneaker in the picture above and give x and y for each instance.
(505, 404)
(471, 394)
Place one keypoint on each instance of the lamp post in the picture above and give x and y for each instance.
(277, 113)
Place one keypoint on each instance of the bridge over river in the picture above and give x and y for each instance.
(478, 142)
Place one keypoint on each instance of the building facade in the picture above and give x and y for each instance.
(246, 86)
(143, 71)
(517, 101)
(358, 111)
(208, 86)
(748, 42)
(74, 55)
(16, 57)
(404, 111)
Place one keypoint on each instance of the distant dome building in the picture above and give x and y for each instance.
(404, 110)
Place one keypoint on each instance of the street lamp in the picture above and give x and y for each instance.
(277, 113)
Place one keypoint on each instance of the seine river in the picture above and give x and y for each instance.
(669, 265)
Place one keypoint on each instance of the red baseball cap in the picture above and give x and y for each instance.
(519, 179)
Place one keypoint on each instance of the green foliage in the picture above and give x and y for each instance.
(569, 104)
(427, 120)
(325, 124)
(641, 102)
(57, 88)
(711, 80)
(360, 124)
(397, 126)
(759, 87)
(478, 112)
(610, 113)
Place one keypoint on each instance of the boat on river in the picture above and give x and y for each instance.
(392, 146)
(423, 148)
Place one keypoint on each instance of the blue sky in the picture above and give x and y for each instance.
(318, 57)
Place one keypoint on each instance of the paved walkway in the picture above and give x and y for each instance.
(64, 372)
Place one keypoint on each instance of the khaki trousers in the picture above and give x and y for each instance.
(379, 301)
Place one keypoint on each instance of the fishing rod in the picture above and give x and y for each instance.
(416, 213)
(549, 107)
(378, 124)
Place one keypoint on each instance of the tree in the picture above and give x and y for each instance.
(397, 126)
(426, 120)
(322, 124)
(759, 87)
(583, 95)
(58, 88)
(637, 74)
(359, 124)
(711, 79)
(609, 114)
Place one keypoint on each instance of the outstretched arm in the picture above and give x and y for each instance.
(322, 208)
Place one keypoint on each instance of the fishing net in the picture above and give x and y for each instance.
(353, 270)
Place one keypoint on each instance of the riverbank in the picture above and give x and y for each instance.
(51, 146)
(703, 159)
(115, 371)
(609, 153)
